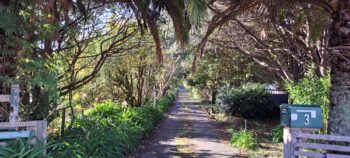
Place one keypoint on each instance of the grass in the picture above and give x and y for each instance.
(263, 128)
(244, 140)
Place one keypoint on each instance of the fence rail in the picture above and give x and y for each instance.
(15, 128)
(39, 127)
(323, 137)
(295, 141)
(4, 98)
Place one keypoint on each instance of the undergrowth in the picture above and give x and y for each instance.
(109, 130)
(244, 140)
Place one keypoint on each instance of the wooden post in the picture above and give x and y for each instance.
(15, 100)
(41, 130)
(63, 121)
(288, 143)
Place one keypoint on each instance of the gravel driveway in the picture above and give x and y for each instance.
(187, 132)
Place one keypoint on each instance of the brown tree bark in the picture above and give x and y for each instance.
(339, 120)
(140, 85)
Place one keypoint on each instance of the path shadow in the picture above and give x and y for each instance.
(185, 121)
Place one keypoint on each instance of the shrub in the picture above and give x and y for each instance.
(249, 101)
(311, 90)
(105, 109)
(109, 130)
(24, 148)
(277, 134)
(244, 140)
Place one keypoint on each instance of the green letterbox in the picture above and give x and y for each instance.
(285, 115)
(301, 116)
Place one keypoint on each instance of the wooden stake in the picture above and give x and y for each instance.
(63, 121)
(15, 100)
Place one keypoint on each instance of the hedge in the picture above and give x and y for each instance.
(248, 101)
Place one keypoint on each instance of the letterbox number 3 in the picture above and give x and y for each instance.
(307, 119)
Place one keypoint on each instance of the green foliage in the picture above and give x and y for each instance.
(19, 22)
(277, 134)
(244, 140)
(23, 148)
(197, 10)
(105, 110)
(311, 90)
(40, 78)
(249, 101)
(109, 130)
(224, 67)
(195, 93)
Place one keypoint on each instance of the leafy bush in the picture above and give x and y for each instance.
(249, 101)
(104, 110)
(24, 148)
(109, 130)
(311, 90)
(277, 134)
(244, 140)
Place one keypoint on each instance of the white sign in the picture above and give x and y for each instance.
(313, 112)
(294, 117)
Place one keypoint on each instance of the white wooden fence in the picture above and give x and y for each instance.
(296, 141)
(23, 130)
(16, 129)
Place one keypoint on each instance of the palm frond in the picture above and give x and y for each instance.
(183, 14)
(181, 22)
(197, 10)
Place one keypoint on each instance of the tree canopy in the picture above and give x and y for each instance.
(133, 51)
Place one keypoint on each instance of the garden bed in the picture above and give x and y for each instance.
(262, 128)
(110, 130)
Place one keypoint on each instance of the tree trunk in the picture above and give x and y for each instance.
(339, 120)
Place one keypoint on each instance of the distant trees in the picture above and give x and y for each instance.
(135, 77)
(222, 67)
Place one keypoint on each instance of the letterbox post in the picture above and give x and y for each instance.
(288, 142)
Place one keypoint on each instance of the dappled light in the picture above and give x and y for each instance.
(174, 78)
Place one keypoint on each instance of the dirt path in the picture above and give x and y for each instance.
(187, 132)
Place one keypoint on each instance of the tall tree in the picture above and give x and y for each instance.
(339, 42)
